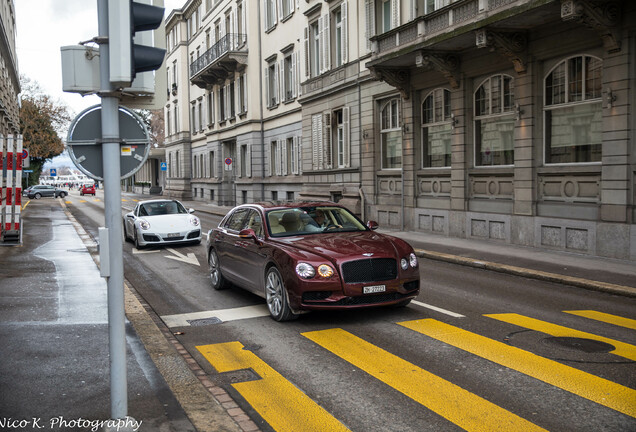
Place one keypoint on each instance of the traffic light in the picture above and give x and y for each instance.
(125, 18)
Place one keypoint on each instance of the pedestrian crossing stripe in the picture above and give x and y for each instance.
(605, 317)
(622, 349)
(583, 384)
(278, 401)
(450, 401)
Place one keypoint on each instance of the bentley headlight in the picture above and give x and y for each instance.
(194, 220)
(144, 224)
(404, 263)
(305, 271)
(325, 270)
(413, 260)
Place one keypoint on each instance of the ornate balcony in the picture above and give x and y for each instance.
(226, 56)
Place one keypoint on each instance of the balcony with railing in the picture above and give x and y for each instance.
(224, 57)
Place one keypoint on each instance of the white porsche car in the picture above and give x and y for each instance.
(161, 222)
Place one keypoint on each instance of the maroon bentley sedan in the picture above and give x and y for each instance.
(303, 256)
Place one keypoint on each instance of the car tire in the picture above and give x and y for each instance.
(136, 239)
(216, 277)
(276, 297)
(126, 238)
(38, 195)
(62, 195)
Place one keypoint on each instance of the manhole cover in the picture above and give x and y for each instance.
(580, 344)
(204, 321)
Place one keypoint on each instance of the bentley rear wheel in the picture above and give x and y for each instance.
(217, 279)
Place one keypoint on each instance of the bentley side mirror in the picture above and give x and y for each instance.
(372, 225)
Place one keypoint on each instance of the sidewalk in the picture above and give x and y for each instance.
(55, 372)
(589, 272)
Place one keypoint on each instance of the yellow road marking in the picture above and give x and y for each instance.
(599, 390)
(278, 401)
(26, 204)
(605, 317)
(622, 349)
(82, 201)
(450, 401)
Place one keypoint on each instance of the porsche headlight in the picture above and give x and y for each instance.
(325, 270)
(413, 260)
(194, 220)
(144, 224)
(305, 271)
(404, 263)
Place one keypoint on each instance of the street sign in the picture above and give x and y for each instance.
(85, 142)
(228, 164)
(53, 172)
(164, 166)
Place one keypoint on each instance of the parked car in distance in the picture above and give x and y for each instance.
(25, 192)
(39, 191)
(161, 222)
(87, 189)
(305, 256)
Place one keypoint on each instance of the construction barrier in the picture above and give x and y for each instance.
(11, 192)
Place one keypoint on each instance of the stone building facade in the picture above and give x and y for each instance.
(9, 76)
(505, 120)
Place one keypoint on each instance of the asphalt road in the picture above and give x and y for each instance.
(478, 350)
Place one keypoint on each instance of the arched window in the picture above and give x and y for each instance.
(391, 134)
(573, 111)
(495, 121)
(436, 129)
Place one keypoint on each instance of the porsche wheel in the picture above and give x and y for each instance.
(276, 296)
(136, 239)
(217, 279)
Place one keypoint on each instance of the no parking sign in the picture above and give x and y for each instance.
(228, 164)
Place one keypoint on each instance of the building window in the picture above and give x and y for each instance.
(210, 101)
(339, 17)
(193, 117)
(495, 122)
(271, 84)
(340, 133)
(232, 100)
(211, 164)
(289, 73)
(270, 14)
(315, 49)
(275, 158)
(274, 196)
(168, 123)
(391, 135)
(222, 112)
(288, 7)
(573, 111)
(242, 94)
(244, 162)
(436, 129)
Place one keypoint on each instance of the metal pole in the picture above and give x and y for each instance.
(112, 216)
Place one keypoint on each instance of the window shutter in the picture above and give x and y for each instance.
(369, 8)
(395, 14)
(264, 9)
(227, 102)
(239, 161)
(248, 162)
(292, 84)
(345, 32)
(237, 97)
(326, 141)
(307, 54)
(315, 126)
(244, 93)
(267, 101)
(284, 156)
(297, 78)
(347, 137)
(278, 157)
(280, 9)
(299, 141)
(281, 80)
(276, 83)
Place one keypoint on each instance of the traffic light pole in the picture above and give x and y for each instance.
(112, 216)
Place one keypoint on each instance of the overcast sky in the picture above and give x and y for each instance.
(43, 26)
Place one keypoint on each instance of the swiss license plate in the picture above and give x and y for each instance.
(373, 289)
(170, 235)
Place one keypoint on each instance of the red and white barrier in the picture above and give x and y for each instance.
(11, 194)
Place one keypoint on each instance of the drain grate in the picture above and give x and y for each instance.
(204, 321)
(579, 344)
